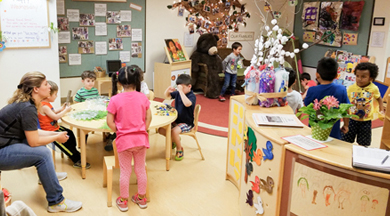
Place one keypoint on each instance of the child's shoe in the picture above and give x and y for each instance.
(221, 98)
(122, 204)
(140, 201)
(179, 155)
(66, 206)
(78, 165)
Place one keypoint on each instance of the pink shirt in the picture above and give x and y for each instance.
(129, 109)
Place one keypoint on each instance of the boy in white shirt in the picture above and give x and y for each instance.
(293, 97)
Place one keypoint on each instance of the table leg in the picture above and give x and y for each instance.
(83, 152)
(168, 145)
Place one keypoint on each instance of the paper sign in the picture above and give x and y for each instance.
(188, 39)
(73, 15)
(101, 48)
(100, 29)
(241, 36)
(124, 56)
(304, 142)
(350, 38)
(60, 7)
(74, 59)
(125, 15)
(100, 9)
(64, 37)
(136, 34)
(136, 7)
(377, 39)
(309, 36)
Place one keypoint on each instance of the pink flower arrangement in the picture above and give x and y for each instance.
(330, 102)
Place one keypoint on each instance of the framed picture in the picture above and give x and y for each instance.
(123, 31)
(174, 50)
(63, 23)
(115, 44)
(113, 17)
(87, 20)
(379, 21)
(86, 47)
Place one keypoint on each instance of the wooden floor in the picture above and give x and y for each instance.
(191, 187)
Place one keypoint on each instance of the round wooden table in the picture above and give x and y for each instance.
(85, 127)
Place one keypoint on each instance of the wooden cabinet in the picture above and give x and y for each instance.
(166, 74)
(385, 140)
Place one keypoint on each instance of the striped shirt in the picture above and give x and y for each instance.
(84, 94)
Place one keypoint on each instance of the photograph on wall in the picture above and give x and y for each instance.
(63, 53)
(331, 53)
(191, 28)
(136, 50)
(309, 36)
(80, 33)
(175, 50)
(113, 17)
(199, 23)
(350, 39)
(352, 12)
(310, 15)
(87, 20)
(330, 15)
(86, 47)
(180, 11)
(123, 31)
(333, 40)
(115, 44)
(63, 23)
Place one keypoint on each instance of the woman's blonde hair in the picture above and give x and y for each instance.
(26, 86)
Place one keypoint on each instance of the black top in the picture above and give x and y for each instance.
(16, 118)
(184, 114)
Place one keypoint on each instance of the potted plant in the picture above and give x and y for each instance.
(323, 115)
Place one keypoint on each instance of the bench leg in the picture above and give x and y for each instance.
(109, 186)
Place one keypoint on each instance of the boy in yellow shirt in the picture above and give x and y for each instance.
(362, 95)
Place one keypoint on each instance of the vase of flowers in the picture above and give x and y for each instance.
(323, 115)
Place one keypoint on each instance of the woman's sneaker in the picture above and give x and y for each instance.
(78, 165)
(140, 201)
(122, 204)
(66, 206)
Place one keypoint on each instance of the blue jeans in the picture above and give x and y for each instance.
(229, 79)
(20, 155)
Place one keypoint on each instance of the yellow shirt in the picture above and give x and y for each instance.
(363, 101)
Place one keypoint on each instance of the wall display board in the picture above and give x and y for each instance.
(311, 56)
(24, 24)
(98, 58)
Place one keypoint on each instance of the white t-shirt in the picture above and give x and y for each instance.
(294, 100)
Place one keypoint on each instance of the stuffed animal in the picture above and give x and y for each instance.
(206, 53)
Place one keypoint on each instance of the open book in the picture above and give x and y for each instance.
(279, 120)
(371, 158)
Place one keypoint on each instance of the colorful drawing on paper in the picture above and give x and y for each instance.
(333, 40)
(352, 11)
(350, 39)
(330, 15)
(308, 36)
(319, 193)
(310, 15)
(331, 53)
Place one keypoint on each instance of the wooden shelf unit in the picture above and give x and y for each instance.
(385, 140)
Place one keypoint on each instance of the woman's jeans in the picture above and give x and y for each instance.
(229, 79)
(20, 155)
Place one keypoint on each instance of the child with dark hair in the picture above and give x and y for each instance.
(306, 82)
(129, 116)
(88, 78)
(293, 98)
(326, 73)
(362, 95)
(229, 65)
(185, 101)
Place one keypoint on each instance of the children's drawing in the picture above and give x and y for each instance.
(303, 184)
(249, 198)
(310, 15)
(341, 56)
(374, 203)
(256, 185)
(327, 193)
(315, 192)
(268, 155)
(330, 15)
(292, 2)
(350, 39)
(267, 185)
(258, 156)
(331, 53)
(352, 11)
(342, 196)
(364, 201)
(333, 40)
(308, 36)
(259, 206)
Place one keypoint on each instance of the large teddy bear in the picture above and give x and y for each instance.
(206, 53)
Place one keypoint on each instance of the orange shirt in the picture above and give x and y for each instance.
(45, 121)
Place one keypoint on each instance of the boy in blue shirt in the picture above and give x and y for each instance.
(326, 73)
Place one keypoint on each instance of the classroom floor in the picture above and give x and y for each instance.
(191, 187)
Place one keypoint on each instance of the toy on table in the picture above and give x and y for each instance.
(165, 110)
(267, 85)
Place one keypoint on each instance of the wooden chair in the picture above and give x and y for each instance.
(151, 95)
(109, 163)
(193, 131)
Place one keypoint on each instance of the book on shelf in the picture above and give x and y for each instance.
(278, 120)
(371, 158)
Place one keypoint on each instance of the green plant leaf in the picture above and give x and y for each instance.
(286, 64)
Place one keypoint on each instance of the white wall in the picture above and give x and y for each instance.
(14, 63)
(381, 53)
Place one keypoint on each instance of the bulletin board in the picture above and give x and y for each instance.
(24, 24)
(89, 61)
(311, 56)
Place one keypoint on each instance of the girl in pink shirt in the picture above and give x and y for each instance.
(129, 116)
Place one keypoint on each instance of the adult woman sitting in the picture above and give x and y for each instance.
(23, 145)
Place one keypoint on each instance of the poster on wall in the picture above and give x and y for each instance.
(113, 17)
(74, 59)
(80, 33)
(60, 7)
(63, 53)
(101, 48)
(124, 56)
(100, 9)
(86, 47)
(352, 12)
(125, 15)
(64, 37)
(136, 34)
(63, 24)
(100, 29)
(123, 31)
(333, 40)
(73, 15)
(330, 15)
(136, 50)
(350, 38)
(309, 36)
(310, 15)
(87, 20)
(115, 44)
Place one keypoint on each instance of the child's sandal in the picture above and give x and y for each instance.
(179, 155)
